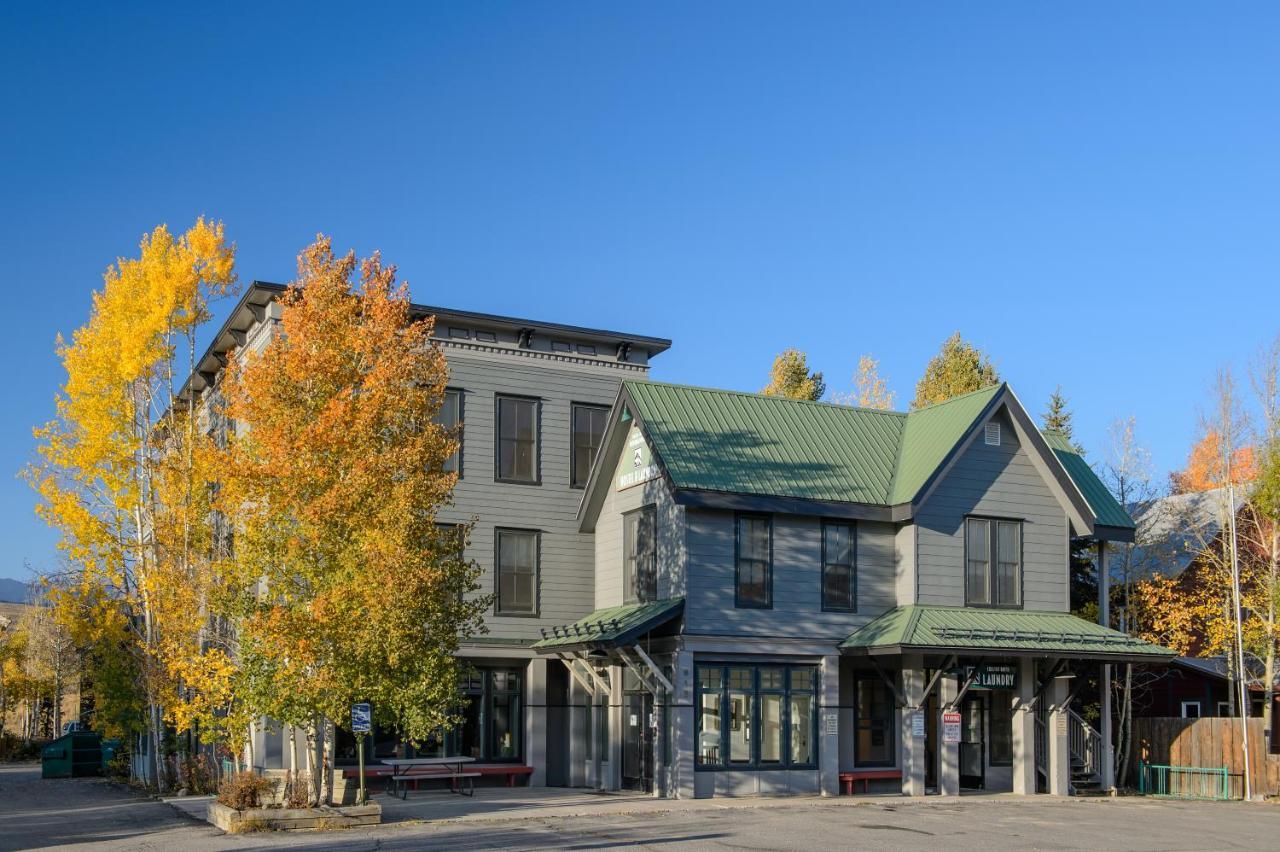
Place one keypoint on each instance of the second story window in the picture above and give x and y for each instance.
(755, 561)
(640, 556)
(517, 450)
(516, 566)
(449, 416)
(839, 567)
(588, 432)
(993, 562)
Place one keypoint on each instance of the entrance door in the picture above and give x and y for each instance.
(973, 747)
(637, 741)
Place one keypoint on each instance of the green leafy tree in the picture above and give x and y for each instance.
(790, 377)
(959, 368)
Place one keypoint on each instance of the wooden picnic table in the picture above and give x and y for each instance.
(406, 769)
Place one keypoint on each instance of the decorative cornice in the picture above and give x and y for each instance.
(546, 356)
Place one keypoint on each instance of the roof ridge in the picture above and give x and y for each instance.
(780, 399)
(960, 396)
(902, 444)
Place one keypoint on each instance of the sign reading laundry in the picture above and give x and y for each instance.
(993, 676)
(637, 464)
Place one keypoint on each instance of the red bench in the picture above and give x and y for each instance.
(847, 779)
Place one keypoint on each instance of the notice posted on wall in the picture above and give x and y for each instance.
(950, 728)
(831, 723)
(917, 724)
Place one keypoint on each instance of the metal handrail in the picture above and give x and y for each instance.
(1085, 743)
(1184, 782)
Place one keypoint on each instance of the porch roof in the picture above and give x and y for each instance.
(610, 627)
(950, 629)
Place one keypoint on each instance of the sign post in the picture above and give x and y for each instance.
(361, 724)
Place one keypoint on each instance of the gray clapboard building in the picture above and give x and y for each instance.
(702, 592)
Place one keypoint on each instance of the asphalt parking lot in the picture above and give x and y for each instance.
(93, 814)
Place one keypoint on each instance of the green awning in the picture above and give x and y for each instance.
(920, 628)
(609, 628)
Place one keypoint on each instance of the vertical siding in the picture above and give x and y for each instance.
(797, 579)
(609, 539)
(1000, 482)
(566, 576)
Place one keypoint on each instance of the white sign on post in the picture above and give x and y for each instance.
(950, 728)
(917, 724)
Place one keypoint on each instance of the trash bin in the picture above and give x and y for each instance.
(72, 756)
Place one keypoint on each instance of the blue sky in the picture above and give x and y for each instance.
(1087, 191)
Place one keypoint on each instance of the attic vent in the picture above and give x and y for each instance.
(993, 435)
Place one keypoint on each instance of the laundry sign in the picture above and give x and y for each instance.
(637, 464)
(993, 676)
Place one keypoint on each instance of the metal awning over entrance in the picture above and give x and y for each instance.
(949, 630)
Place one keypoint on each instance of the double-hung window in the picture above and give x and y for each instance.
(588, 432)
(756, 716)
(839, 567)
(449, 416)
(640, 559)
(517, 572)
(755, 562)
(517, 450)
(993, 562)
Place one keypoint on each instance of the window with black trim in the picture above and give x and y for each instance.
(1001, 732)
(756, 716)
(993, 562)
(588, 433)
(517, 447)
(449, 416)
(754, 574)
(516, 572)
(839, 567)
(873, 722)
(640, 555)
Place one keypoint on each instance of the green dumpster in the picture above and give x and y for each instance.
(109, 749)
(72, 756)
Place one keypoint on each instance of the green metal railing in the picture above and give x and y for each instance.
(1184, 782)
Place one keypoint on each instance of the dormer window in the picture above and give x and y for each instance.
(993, 435)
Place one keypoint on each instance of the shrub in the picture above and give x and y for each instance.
(244, 790)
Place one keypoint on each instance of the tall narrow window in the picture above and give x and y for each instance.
(588, 432)
(517, 450)
(993, 563)
(517, 572)
(873, 723)
(741, 714)
(1001, 749)
(755, 561)
(640, 563)
(839, 574)
(449, 416)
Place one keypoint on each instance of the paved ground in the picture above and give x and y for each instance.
(92, 814)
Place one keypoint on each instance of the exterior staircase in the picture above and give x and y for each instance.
(1087, 754)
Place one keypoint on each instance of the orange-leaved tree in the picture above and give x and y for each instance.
(334, 474)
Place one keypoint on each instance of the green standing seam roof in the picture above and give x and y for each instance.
(953, 628)
(610, 626)
(1105, 508)
(930, 435)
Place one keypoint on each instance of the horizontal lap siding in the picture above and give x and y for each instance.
(566, 576)
(610, 540)
(797, 579)
(1000, 482)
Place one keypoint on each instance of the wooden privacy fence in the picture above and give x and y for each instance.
(1207, 743)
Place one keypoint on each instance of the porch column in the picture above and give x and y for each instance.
(1104, 684)
(828, 740)
(1024, 729)
(912, 748)
(948, 753)
(683, 736)
(535, 720)
(1059, 746)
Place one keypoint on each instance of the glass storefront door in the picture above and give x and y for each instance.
(637, 741)
(973, 746)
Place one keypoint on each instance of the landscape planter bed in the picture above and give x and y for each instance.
(232, 821)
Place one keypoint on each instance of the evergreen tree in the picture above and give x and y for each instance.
(959, 368)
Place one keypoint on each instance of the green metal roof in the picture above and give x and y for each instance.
(1105, 507)
(1001, 631)
(615, 625)
(743, 443)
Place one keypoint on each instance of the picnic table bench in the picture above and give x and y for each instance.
(452, 769)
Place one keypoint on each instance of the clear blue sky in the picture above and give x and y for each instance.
(1087, 191)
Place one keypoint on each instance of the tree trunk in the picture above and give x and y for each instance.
(313, 777)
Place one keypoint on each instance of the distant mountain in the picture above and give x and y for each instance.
(13, 591)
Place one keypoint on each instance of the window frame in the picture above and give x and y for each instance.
(497, 439)
(629, 576)
(573, 448)
(497, 572)
(993, 561)
(1189, 703)
(458, 424)
(754, 763)
(738, 602)
(853, 567)
(992, 726)
(890, 725)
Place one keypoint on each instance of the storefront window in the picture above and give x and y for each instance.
(873, 721)
(756, 716)
(504, 725)
(1001, 727)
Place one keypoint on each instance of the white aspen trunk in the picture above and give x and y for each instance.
(313, 777)
(326, 766)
